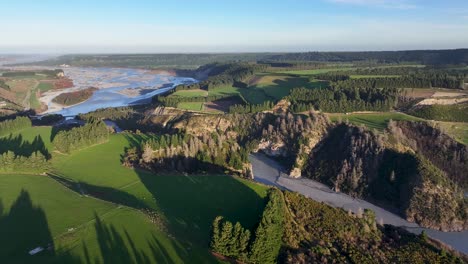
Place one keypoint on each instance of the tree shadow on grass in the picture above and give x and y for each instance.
(22, 229)
(22, 147)
(191, 203)
(25, 227)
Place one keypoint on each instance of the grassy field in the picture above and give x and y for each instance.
(459, 131)
(266, 87)
(194, 106)
(253, 96)
(190, 93)
(44, 87)
(377, 121)
(185, 207)
(188, 203)
(29, 134)
(279, 86)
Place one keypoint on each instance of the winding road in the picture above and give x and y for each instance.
(268, 171)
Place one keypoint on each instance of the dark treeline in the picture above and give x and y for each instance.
(408, 70)
(250, 108)
(172, 101)
(343, 99)
(112, 113)
(408, 81)
(11, 163)
(431, 57)
(452, 113)
(80, 137)
(74, 97)
(333, 76)
(151, 60)
(48, 120)
(263, 246)
(11, 126)
(48, 73)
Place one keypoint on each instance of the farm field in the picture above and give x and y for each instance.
(253, 96)
(377, 121)
(188, 203)
(262, 87)
(318, 71)
(190, 93)
(193, 106)
(279, 86)
(185, 206)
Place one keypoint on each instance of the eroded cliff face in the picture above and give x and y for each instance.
(356, 161)
(443, 151)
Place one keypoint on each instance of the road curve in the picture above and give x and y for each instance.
(268, 171)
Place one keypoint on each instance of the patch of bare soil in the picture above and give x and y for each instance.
(445, 101)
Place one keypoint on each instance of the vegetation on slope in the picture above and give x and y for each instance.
(296, 229)
(358, 162)
(81, 137)
(453, 113)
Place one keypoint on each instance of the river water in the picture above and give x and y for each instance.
(268, 171)
(117, 87)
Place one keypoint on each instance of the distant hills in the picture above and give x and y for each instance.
(427, 57)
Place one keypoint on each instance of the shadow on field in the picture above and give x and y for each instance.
(23, 147)
(22, 229)
(191, 203)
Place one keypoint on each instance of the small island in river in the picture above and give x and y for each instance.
(75, 97)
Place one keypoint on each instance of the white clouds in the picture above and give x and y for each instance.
(396, 4)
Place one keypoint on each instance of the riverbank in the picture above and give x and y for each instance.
(267, 171)
(116, 87)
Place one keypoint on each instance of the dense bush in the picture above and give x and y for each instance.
(173, 101)
(10, 126)
(452, 113)
(234, 240)
(74, 97)
(356, 161)
(48, 73)
(318, 233)
(11, 163)
(81, 137)
(342, 100)
(439, 80)
(250, 108)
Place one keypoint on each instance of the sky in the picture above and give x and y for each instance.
(154, 26)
